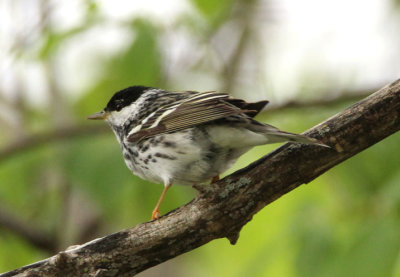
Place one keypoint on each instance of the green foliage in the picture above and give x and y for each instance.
(15, 252)
(53, 40)
(215, 12)
(345, 223)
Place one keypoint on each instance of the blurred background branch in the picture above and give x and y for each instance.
(45, 138)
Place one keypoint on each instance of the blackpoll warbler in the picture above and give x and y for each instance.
(186, 137)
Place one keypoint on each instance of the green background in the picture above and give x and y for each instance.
(74, 186)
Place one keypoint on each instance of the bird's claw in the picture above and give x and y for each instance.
(155, 215)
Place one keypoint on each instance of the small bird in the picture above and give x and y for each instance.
(186, 137)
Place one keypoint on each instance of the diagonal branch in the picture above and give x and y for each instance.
(221, 210)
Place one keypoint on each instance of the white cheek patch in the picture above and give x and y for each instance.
(119, 118)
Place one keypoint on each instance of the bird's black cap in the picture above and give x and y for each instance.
(125, 97)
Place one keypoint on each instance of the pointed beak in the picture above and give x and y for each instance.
(100, 115)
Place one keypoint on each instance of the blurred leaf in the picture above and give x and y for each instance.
(214, 11)
(92, 8)
(53, 40)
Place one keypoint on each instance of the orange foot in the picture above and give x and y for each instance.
(156, 214)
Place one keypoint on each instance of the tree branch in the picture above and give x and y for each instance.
(222, 209)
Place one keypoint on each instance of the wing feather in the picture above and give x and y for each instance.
(199, 108)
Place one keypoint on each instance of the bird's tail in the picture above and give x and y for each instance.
(281, 136)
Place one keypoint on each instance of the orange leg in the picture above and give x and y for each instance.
(156, 212)
(215, 179)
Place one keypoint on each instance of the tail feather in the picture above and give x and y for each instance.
(281, 136)
(273, 134)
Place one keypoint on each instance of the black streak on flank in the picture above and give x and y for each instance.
(133, 153)
(163, 156)
(144, 148)
(170, 144)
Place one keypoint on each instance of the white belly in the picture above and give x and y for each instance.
(180, 158)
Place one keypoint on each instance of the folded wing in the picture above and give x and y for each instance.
(198, 108)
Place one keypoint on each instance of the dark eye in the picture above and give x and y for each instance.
(119, 105)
